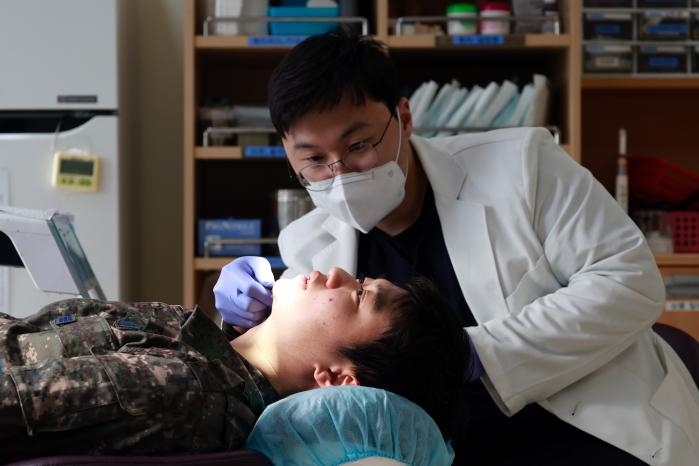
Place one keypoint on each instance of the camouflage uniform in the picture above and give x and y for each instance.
(93, 377)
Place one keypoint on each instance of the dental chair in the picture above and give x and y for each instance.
(345, 425)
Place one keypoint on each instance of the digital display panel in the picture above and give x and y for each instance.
(77, 167)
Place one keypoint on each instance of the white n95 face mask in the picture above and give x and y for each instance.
(362, 199)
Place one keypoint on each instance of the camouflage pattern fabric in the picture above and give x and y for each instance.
(93, 377)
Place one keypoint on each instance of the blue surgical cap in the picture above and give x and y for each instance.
(335, 425)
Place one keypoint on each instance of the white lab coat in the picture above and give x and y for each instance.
(561, 282)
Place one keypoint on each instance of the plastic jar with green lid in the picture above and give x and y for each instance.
(463, 27)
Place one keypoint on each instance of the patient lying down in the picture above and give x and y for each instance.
(93, 377)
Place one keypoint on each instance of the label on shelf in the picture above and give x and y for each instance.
(264, 151)
(682, 305)
(477, 39)
(274, 41)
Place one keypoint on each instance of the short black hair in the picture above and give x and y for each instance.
(317, 73)
(422, 356)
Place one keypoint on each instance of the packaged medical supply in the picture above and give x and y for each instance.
(551, 11)
(287, 206)
(664, 25)
(527, 8)
(655, 227)
(211, 230)
(604, 25)
(621, 191)
(495, 10)
(467, 12)
(608, 3)
(301, 28)
(238, 8)
(608, 58)
(662, 59)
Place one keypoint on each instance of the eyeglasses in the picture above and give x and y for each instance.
(359, 157)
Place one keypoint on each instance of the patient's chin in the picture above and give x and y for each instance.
(283, 292)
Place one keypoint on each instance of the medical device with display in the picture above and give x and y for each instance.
(76, 171)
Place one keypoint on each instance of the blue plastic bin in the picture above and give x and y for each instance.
(301, 29)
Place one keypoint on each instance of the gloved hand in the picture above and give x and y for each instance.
(243, 291)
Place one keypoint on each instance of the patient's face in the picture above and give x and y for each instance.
(321, 313)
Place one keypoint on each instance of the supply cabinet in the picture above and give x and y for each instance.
(224, 178)
(640, 73)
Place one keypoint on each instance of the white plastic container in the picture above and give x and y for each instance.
(495, 10)
(467, 14)
(236, 8)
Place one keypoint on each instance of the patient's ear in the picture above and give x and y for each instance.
(334, 376)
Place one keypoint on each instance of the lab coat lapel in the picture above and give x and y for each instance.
(341, 252)
(465, 230)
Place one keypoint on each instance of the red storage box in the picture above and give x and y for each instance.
(659, 181)
(685, 231)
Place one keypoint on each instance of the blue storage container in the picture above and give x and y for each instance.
(300, 28)
(229, 228)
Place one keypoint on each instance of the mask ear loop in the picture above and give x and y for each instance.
(400, 142)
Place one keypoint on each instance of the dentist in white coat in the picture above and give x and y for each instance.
(555, 284)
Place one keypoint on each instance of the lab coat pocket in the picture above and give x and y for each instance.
(64, 394)
(537, 282)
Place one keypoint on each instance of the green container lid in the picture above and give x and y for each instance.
(462, 8)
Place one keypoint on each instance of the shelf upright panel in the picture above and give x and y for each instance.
(571, 12)
(381, 14)
(189, 175)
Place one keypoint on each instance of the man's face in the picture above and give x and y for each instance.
(324, 137)
(319, 314)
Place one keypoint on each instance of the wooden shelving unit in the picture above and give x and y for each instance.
(221, 181)
(588, 110)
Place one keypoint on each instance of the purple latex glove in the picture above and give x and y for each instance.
(243, 291)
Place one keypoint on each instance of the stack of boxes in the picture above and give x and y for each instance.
(641, 36)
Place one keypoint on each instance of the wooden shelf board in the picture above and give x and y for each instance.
(220, 42)
(530, 41)
(677, 260)
(415, 41)
(547, 40)
(211, 263)
(218, 153)
(640, 82)
(232, 43)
